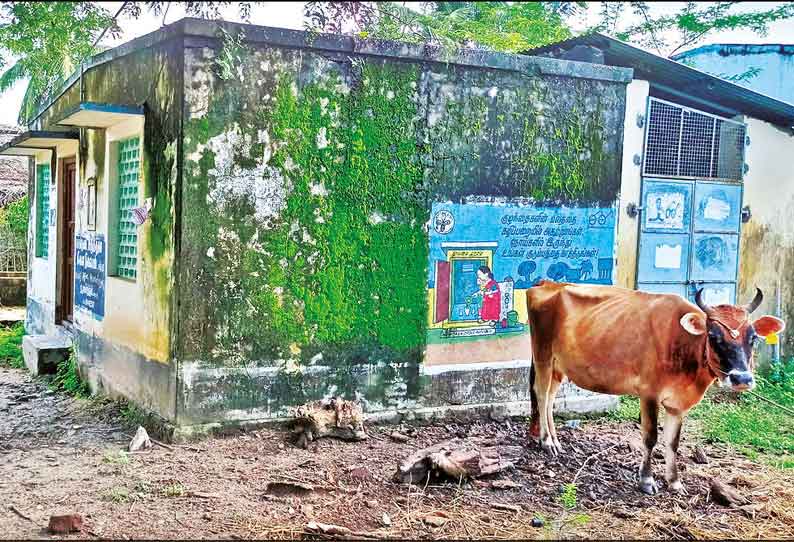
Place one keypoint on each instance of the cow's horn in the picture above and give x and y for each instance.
(759, 297)
(700, 303)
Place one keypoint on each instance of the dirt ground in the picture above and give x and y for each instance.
(59, 456)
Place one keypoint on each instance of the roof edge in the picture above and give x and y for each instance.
(300, 39)
(761, 48)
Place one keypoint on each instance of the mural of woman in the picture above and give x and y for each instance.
(491, 296)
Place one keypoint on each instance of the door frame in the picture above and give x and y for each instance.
(65, 239)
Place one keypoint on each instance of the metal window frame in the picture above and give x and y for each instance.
(684, 108)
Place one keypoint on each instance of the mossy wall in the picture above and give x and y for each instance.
(135, 335)
(306, 192)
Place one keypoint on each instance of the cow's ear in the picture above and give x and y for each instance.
(767, 325)
(694, 323)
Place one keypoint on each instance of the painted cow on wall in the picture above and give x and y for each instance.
(658, 347)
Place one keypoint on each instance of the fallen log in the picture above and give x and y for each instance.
(457, 459)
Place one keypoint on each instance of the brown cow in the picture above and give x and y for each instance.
(658, 347)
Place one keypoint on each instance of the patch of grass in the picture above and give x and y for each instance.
(68, 380)
(568, 496)
(11, 346)
(627, 411)
(118, 495)
(759, 430)
(116, 457)
(133, 414)
(174, 490)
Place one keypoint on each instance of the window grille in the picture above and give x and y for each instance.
(686, 143)
(128, 176)
(42, 210)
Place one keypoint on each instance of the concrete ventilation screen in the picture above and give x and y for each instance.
(686, 143)
(129, 169)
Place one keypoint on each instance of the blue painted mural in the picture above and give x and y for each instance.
(483, 256)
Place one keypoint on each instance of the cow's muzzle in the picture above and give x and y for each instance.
(740, 380)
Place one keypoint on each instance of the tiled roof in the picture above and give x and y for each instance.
(13, 170)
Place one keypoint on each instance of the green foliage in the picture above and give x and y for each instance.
(116, 457)
(174, 489)
(14, 217)
(568, 497)
(11, 346)
(68, 380)
(50, 40)
(667, 32)
(756, 428)
(498, 26)
(117, 495)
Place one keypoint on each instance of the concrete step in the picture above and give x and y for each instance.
(43, 353)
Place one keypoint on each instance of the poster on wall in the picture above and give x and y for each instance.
(483, 258)
(89, 273)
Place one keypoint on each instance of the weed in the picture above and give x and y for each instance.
(173, 490)
(67, 378)
(118, 495)
(627, 411)
(11, 346)
(116, 457)
(133, 414)
(568, 496)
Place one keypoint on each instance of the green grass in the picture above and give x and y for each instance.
(757, 429)
(11, 346)
(116, 457)
(68, 380)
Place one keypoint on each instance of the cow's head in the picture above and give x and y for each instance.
(730, 338)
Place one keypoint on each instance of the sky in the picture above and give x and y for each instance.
(290, 15)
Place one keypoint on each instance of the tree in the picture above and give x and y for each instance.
(500, 26)
(668, 33)
(49, 40)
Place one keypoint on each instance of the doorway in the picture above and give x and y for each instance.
(66, 252)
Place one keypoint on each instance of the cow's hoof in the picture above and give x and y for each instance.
(648, 486)
(549, 448)
(559, 447)
(678, 487)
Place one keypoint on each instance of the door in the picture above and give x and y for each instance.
(689, 238)
(66, 254)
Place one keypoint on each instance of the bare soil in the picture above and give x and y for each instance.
(59, 456)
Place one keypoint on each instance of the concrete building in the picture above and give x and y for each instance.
(230, 220)
(723, 149)
(771, 65)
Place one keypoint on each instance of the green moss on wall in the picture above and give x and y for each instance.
(307, 188)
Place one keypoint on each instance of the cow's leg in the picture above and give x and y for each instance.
(672, 436)
(556, 380)
(649, 410)
(543, 378)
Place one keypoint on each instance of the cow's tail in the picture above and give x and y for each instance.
(534, 419)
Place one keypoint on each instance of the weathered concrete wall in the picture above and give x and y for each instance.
(13, 289)
(307, 187)
(631, 183)
(766, 256)
(126, 350)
